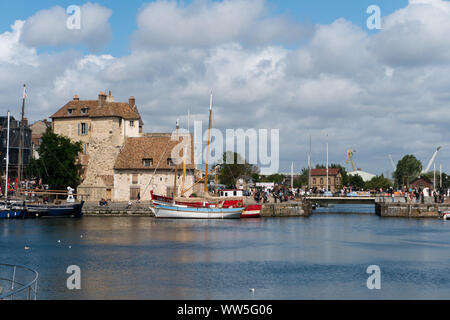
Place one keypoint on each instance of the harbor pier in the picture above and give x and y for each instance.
(410, 210)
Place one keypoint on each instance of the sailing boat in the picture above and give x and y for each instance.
(8, 210)
(202, 210)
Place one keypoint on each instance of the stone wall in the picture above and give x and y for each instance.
(410, 210)
(288, 209)
(147, 182)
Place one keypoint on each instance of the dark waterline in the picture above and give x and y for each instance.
(321, 257)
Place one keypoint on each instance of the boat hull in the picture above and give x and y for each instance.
(64, 210)
(252, 211)
(11, 214)
(178, 212)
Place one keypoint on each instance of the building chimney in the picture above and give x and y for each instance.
(110, 98)
(101, 98)
(132, 102)
(76, 98)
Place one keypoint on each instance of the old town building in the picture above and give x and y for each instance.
(119, 162)
(319, 179)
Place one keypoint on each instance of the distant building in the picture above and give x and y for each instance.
(319, 179)
(366, 176)
(244, 183)
(421, 182)
(14, 134)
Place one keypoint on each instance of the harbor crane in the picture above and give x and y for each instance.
(392, 163)
(431, 160)
(350, 158)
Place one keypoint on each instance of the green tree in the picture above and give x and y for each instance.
(408, 168)
(57, 164)
(229, 173)
(355, 181)
(378, 182)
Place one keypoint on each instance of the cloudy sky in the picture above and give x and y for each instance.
(304, 67)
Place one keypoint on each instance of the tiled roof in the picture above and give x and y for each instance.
(151, 146)
(107, 109)
(323, 172)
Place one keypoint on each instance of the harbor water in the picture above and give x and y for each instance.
(325, 256)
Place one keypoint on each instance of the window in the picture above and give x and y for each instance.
(314, 180)
(147, 162)
(170, 162)
(84, 111)
(84, 129)
(321, 180)
(131, 123)
(134, 179)
(234, 193)
(85, 148)
(69, 112)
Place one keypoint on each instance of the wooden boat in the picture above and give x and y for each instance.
(185, 212)
(252, 211)
(74, 210)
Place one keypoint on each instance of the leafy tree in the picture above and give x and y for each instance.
(355, 181)
(277, 178)
(378, 182)
(229, 173)
(408, 169)
(57, 164)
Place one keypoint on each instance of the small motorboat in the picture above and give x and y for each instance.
(252, 211)
(446, 215)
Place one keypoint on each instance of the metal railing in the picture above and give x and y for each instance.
(17, 282)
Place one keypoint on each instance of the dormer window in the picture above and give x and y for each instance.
(84, 110)
(147, 162)
(170, 162)
(69, 112)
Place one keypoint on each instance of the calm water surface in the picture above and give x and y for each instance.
(321, 257)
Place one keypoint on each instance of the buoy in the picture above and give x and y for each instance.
(27, 248)
(252, 290)
(59, 241)
(70, 247)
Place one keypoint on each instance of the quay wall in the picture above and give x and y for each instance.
(406, 210)
(288, 209)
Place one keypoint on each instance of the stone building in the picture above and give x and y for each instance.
(102, 126)
(145, 164)
(319, 179)
(421, 183)
(14, 143)
(37, 130)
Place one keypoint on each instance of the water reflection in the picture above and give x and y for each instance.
(321, 257)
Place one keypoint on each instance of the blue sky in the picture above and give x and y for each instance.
(380, 93)
(123, 19)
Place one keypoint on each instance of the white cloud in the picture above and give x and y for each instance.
(207, 23)
(383, 100)
(49, 27)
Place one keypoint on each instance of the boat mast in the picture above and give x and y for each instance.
(327, 163)
(184, 172)
(19, 172)
(209, 140)
(176, 168)
(7, 160)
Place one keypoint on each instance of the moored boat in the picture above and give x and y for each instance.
(55, 210)
(252, 211)
(185, 212)
(6, 213)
